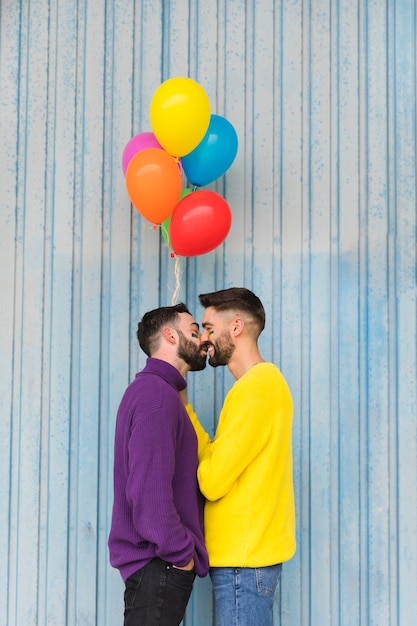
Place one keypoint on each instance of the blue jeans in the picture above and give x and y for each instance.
(157, 595)
(244, 596)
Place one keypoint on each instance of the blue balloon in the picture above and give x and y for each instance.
(214, 154)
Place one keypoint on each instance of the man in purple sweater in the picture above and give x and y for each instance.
(156, 538)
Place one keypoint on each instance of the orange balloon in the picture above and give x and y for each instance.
(153, 182)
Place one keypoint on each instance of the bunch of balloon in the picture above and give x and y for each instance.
(186, 139)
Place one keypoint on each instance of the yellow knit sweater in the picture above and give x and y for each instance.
(245, 473)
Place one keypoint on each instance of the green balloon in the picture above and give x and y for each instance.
(165, 224)
(165, 231)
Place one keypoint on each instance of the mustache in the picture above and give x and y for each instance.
(206, 344)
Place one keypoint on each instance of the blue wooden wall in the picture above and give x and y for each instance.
(322, 94)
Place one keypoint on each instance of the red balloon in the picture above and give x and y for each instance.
(200, 222)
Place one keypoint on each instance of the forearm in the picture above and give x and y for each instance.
(202, 436)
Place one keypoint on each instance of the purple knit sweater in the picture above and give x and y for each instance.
(157, 507)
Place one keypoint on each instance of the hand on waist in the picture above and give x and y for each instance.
(187, 567)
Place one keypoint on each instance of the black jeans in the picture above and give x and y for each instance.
(157, 595)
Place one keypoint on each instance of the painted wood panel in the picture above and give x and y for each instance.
(322, 95)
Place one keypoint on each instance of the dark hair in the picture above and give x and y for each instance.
(237, 298)
(153, 321)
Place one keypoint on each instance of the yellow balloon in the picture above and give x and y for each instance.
(180, 115)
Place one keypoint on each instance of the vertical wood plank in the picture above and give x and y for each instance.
(323, 196)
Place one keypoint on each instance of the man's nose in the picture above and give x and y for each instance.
(204, 336)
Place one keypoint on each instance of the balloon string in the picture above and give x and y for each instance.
(177, 280)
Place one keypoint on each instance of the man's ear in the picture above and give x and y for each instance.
(168, 334)
(237, 326)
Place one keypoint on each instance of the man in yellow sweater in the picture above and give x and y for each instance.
(245, 472)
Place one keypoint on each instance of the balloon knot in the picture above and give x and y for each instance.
(172, 255)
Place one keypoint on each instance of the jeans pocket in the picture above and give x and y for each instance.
(132, 585)
(183, 579)
(267, 579)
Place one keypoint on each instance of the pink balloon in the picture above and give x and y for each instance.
(137, 144)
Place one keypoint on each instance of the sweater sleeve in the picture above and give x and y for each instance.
(244, 428)
(151, 468)
(202, 437)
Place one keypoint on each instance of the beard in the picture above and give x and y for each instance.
(223, 350)
(191, 353)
